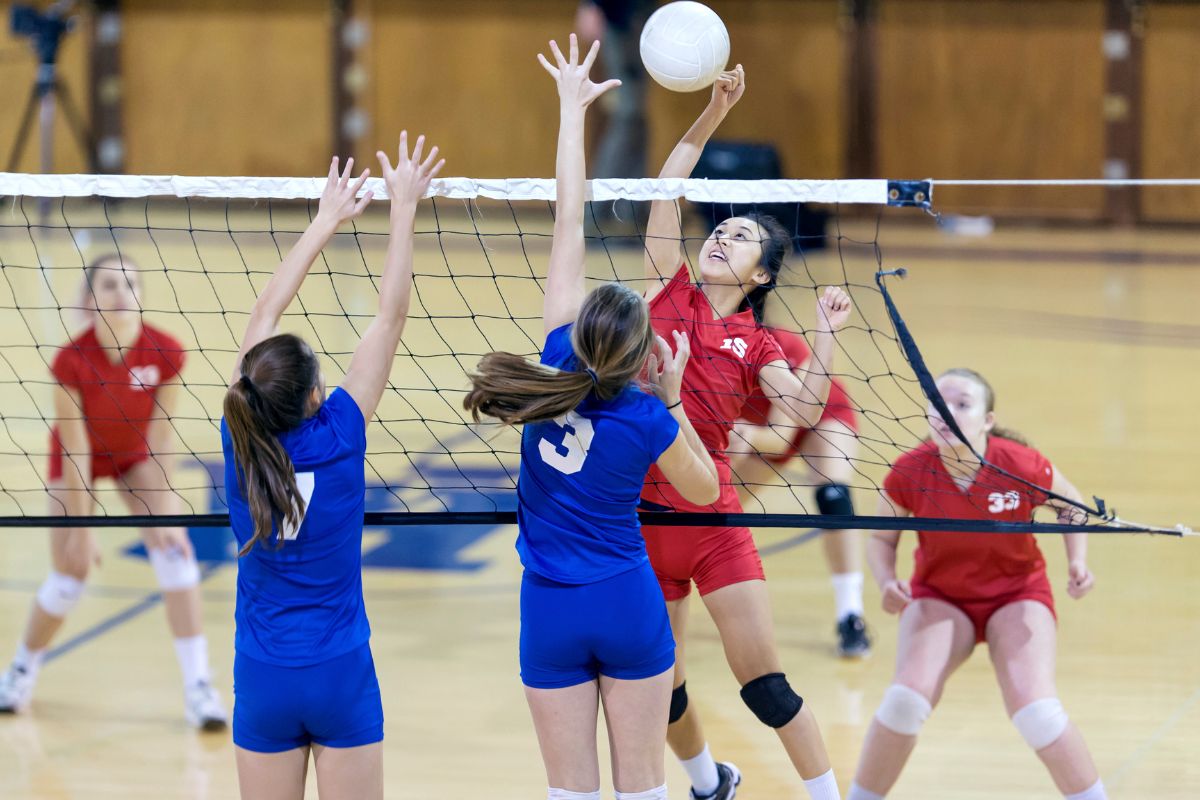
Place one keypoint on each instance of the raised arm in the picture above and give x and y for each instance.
(339, 203)
(664, 232)
(801, 396)
(881, 558)
(160, 434)
(565, 286)
(77, 452)
(1079, 578)
(371, 364)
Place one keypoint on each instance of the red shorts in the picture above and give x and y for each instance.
(104, 465)
(980, 611)
(838, 408)
(712, 557)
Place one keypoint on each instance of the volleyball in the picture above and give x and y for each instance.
(685, 46)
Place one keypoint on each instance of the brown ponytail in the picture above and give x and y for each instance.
(270, 398)
(989, 399)
(612, 339)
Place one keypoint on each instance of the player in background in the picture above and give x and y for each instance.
(969, 588)
(116, 388)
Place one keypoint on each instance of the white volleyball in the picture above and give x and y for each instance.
(685, 46)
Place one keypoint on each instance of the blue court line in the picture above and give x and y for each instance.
(120, 618)
(788, 544)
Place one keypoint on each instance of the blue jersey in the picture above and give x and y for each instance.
(302, 604)
(581, 479)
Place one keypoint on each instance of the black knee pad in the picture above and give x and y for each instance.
(833, 499)
(772, 700)
(678, 703)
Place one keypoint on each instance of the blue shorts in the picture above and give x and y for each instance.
(335, 703)
(617, 627)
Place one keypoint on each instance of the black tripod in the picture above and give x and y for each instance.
(46, 30)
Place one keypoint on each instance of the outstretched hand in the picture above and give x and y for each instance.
(664, 370)
(728, 88)
(575, 88)
(408, 181)
(339, 200)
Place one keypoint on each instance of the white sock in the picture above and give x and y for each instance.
(823, 787)
(703, 772)
(192, 652)
(563, 794)
(859, 793)
(848, 593)
(657, 793)
(28, 660)
(1093, 792)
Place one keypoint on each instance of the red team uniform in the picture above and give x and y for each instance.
(978, 573)
(119, 399)
(838, 406)
(727, 355)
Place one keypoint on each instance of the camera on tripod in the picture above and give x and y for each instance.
(45, 28)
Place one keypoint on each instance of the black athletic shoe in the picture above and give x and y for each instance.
(853, 640)
(726, 789)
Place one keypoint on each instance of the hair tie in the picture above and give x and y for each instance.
(247, 383)
(592, 374)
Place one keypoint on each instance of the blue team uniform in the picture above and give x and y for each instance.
(303, 672)
(590, 604)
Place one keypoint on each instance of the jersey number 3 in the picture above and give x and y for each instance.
(576, 441)
(305, 482)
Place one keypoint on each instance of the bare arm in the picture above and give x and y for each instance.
(77, 452)
(881, 558)
(664, 233)
(371, 365)
(802, 399)
(1080, 578)
(160, 434)
(687, 463)
(338, 204)
(565, 285)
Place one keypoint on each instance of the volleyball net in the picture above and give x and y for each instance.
(203, 247)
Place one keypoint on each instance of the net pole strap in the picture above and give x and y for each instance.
(929, 387)
(873, 192)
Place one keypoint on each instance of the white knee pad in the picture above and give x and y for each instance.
(59, 594)
(174, 569)
(1041, 722)
(903, 710)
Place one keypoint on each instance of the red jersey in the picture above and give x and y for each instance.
(119, 397)
(727, 355)
(796, 351)
(973, 566)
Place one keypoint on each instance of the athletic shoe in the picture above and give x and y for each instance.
(729, 780)
(16, 690)
(853, 640)
(203, 709)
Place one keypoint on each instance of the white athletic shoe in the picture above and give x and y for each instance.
(203, 707)
(16, 690)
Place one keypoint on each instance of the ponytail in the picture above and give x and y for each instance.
(612, 339)
(258, 409)
(515, 390)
